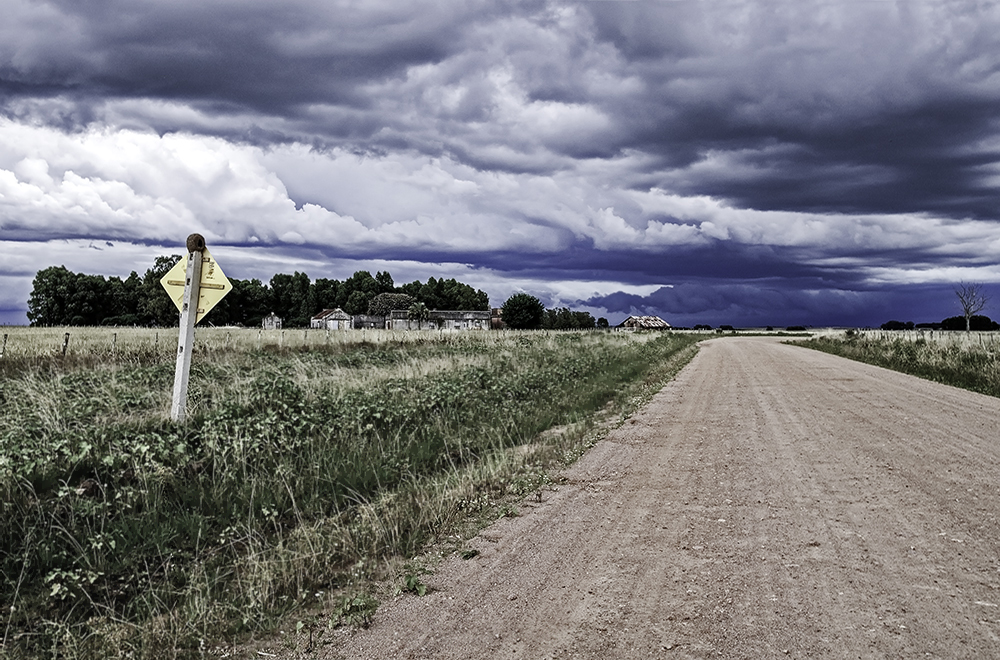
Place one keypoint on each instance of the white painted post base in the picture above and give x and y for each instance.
(185, 340)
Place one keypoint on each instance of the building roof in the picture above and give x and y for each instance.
(645, 322)
(332, 315)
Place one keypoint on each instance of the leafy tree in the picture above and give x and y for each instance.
(432, 294)
(357, 303)
(50, 292)
(155, 306)
(88, 300)
(563, 318)
(290, 299)
(62, 297)
(254, 302)
(457, 295)
(523, 312)
(418, 312)
(602, 322)
(325, 293)
(384, 282)
(411, 289)
(122, 304)
(584, 320)
(245, 305)
(361, 282)
(447, 294)
(384, 303)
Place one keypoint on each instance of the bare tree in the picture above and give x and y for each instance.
(973, 299)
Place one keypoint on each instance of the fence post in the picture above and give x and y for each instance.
(65, 344)
(3, 349)
(114, 342)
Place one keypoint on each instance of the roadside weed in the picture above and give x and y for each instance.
(972, 366)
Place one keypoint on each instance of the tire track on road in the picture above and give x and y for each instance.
(772, 501)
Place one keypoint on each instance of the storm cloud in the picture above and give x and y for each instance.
(741, 162)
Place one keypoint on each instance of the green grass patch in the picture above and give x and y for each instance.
(303, 470)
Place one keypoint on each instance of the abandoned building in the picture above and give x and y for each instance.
(440, 320)
(331, 319)
(644, 323)
(271, 322)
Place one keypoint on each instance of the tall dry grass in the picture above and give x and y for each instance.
(972, 362)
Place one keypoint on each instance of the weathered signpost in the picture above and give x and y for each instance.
(195, 284)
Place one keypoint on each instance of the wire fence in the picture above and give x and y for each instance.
(20, 342)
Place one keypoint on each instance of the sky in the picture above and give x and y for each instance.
(743, 162)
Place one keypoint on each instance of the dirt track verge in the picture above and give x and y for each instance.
(772, 501)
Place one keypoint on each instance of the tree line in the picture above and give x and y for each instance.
(61, 297)
(972, 297)
(976, 323)
(523, 311)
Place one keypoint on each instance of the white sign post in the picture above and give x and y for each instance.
(202, 285)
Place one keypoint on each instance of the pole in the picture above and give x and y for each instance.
(189, 315)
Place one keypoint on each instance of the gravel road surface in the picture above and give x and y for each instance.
(771, 502)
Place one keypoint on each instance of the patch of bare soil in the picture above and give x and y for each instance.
(772, 501)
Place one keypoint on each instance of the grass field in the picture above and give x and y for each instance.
(970, 361)
(311, 463)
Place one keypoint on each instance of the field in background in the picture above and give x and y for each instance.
(311, 462)
(38, 345)
(967, 360)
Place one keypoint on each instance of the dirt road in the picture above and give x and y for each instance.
(771, 502)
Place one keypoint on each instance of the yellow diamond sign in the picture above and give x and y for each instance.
(213, 288)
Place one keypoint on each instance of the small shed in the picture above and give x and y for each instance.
(644, 323)
(331, 319)
(271, 322)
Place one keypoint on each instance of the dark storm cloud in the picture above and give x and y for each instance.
(848, 107)
(782, 303)
(807, 157)
(271, 56)
(265, 59)
(816, 106)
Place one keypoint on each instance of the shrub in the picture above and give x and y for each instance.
(523, 312)
(977, 323)
(384, 303)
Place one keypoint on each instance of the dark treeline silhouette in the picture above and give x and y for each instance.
(62, 297)
(562, 318)
(976, 322)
